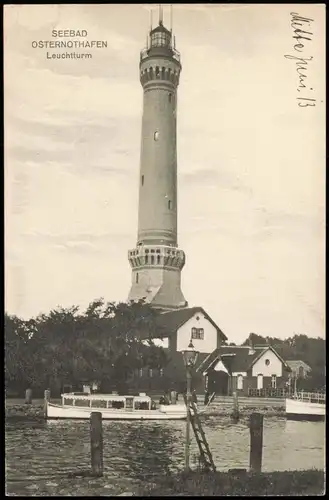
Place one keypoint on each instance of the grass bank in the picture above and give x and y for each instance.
(307, 482)
(268, 411)
(19, 409)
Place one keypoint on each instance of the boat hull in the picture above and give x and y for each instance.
(58, 412)
(304, 410)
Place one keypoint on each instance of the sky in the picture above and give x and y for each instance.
(251, 161)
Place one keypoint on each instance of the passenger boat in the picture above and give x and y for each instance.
(112, 407)
(306, 406)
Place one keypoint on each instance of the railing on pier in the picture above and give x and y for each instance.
(310, 397)
(313, 397)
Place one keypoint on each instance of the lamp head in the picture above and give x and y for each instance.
(190, 355)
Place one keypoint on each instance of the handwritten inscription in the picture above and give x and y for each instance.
(302, 36)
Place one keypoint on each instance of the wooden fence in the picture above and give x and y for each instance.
(267, 393)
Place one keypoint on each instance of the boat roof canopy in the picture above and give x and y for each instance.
(105, 397)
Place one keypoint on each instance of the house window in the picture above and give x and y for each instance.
(259, 381)
(197, 333)
(239, 382)
(150, 373)
(136, 277)
(169, 97)
(141, 372)
(301, 372)
(142, 180)
(273, 382)
(161, 372)
(146, 259)
(158, 259)
(267, 362)
(152, 259)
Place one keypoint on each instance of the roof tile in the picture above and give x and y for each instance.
(170, 321)
(235, 358)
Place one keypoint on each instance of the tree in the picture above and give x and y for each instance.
(19, 366)
(106, 343)
(254, 339)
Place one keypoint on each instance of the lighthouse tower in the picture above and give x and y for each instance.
(156, 260)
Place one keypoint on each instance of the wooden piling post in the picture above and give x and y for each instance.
(46, 400)
(235, 413)
(96, 444)
(256, 442)
(28, 396)
(173, 397)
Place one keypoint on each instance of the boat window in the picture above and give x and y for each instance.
(98, 403)
(116, 405)
(129, 403)
(141, 405)
(82, 402)
(68, 401)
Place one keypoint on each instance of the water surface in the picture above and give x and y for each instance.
(39, 454)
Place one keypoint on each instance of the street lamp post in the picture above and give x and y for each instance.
(190, 357)
(295, 386)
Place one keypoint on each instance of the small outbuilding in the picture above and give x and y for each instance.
(247, 370)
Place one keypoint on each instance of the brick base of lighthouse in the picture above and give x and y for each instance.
(156, 276)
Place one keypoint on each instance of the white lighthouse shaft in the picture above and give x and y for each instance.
(157, 219)
(156, 261)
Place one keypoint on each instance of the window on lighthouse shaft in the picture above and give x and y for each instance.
(156, 135)
(169, 204)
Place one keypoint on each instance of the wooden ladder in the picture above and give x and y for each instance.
(205, 453)
(211, 398)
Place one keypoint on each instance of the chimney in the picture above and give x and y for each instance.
(251, 345)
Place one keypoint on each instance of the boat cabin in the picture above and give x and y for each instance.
(101, 401)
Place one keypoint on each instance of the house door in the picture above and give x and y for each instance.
(260, 381)
(218, 382)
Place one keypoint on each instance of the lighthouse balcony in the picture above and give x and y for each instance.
(159, 52)
(156, 256)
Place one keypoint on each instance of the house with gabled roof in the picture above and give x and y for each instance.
(176, 329)
(193, 323)
(299, 369)
(244, 369)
